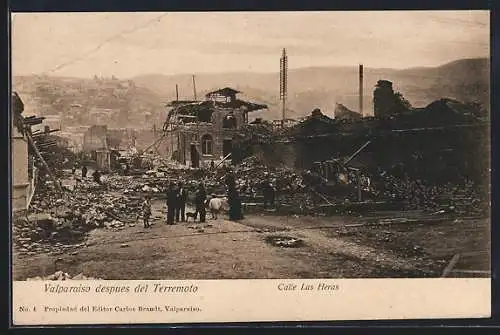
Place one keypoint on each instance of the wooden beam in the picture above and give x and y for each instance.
(222, 161)
(356, 153)
(450, 265)
(44, 163)
(322, 197)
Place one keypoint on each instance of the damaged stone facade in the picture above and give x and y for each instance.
(24, 171)
(201, 132)
(95, 138)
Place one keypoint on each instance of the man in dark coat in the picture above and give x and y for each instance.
(84, 171)
(268, 192)
(171, 203)
(200, 200)
(235, 212)
(97, 176)
(180, 213)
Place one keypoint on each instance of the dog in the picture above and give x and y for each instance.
(190, 215)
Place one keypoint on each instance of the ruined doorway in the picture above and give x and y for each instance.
(227, 147)
(195, 157)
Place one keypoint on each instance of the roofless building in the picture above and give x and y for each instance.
(199, 132)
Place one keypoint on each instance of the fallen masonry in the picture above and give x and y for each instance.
(60, 275)
(59, 222)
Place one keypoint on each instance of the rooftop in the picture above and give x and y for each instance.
(226, 91)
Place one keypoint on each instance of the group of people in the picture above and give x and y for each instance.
(176, 203)
(96, 175)
(177, 197)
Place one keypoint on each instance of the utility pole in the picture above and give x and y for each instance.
(283, 85)
(194, 88)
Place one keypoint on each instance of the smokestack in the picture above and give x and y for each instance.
(194, 88)
(176, 92)
(361, 90)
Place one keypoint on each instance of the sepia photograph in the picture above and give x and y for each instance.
(250, 145)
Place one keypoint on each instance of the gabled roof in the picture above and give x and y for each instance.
(180, 102)
(226, 91)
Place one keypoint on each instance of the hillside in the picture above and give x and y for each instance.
(140, 100)
(323, 87)
(72, 98)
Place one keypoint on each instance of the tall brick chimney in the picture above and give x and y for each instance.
(361, 90)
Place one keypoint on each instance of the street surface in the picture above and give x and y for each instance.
(333, 247)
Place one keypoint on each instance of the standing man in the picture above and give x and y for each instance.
(268, 192)
(171, 203)
(97, 176)
(200, 200)
(146, 211)
(235, 212)
(181, 203)
(84, 171)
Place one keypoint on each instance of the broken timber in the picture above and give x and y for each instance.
(39, 155)
(223, 160)
(449, 268)
(350, 158)
(322, 197)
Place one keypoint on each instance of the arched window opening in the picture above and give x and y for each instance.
(206, 145)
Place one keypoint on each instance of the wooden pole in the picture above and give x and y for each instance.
(283, 85)
(450, 265)
(154, 144)
(222, 161)
(44, 163)
(172, 144)
(358, 180)
(322, 196)
(356, 153)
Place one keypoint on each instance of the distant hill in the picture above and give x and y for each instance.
(141, 99)
(72, 99)
(322, 87)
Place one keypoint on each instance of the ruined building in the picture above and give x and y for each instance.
(344, 113)
(386, 102)
(95, 144)
(199, 132)
(383, 98)
(24, 171)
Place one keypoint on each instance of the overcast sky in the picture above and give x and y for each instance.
(129, 44)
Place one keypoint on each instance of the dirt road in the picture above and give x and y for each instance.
(333, 248)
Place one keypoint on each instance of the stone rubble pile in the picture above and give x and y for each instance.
(45, 234)
(60, 275)
(56, 222)
(88, 209)
(460, 199)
